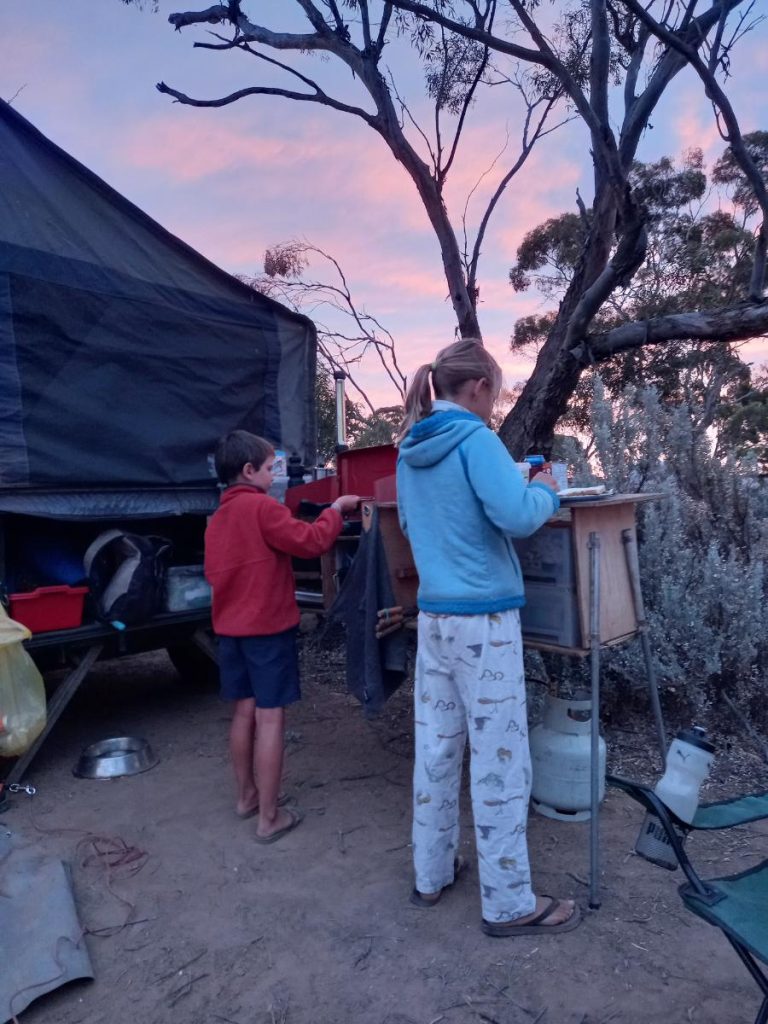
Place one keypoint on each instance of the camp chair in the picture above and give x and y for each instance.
(736, 904)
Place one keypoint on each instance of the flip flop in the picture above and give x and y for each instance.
(504, 929)
(296, 819)
(460, 865)
(282, 800)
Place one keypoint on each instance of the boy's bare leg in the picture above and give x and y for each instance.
(270, 729)
(241, 749)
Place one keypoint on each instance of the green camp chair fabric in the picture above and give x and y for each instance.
(738, 811)
(742, 913)
(736, 904)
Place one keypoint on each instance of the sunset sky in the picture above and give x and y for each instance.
(232, 181)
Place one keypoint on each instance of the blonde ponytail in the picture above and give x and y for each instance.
(454, 365)
(418, 400)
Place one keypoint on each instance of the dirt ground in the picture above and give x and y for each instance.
(199, 925)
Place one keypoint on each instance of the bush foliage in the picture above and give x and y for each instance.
(703, 548)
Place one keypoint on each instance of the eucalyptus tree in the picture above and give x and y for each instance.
(608, 63)
(631, 52)
(699, 255)
(356, 34)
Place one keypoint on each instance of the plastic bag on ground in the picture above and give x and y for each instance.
(22, 692)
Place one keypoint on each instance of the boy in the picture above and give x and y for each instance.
(248, 547)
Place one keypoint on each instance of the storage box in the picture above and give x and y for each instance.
(547, 556)
(49, 608)
(551, 615)
(185, 588)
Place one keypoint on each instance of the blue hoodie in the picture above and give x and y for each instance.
(461, 499)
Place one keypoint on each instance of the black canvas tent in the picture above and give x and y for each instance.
(124, 354)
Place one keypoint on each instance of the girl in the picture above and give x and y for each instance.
(461, 499)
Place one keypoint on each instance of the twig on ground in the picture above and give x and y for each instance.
(394, 782)
(577, 878)
(749, 728)
(364, 955)
(184, 990)
(347, 832)
(178, 970)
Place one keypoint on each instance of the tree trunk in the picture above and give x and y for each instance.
(530, 425)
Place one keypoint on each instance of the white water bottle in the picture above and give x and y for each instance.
(688, 762)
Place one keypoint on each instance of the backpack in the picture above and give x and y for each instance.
(125, 574)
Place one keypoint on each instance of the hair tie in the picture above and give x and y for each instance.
(433, 366)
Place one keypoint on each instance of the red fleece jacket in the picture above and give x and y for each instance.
(248, 547)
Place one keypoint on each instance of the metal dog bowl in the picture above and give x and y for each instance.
(109, 759)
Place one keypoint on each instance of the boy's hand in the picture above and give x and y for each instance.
(346, 503)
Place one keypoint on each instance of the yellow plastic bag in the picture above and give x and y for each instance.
(22, 693)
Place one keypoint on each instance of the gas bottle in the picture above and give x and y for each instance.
(561, 758)
(688, 762)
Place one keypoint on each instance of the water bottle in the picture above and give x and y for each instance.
(688, 762)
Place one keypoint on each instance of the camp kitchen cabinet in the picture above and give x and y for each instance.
(555, 562)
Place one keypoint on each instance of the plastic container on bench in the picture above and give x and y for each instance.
(49, 608)
(185, 588)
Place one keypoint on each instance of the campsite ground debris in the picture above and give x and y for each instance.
(207, 891)
(342, 833)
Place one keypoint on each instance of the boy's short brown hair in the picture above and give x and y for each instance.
(237, 448)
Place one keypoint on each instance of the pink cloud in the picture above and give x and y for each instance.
(188, 149)
(694, 126)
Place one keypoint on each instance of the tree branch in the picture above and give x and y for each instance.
(258, 90)
(599, 62)
(249, 32)
(696, 32)
(732, 323)
(734, 137)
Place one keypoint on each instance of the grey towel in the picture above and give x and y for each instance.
(375, 668)
(41, 941)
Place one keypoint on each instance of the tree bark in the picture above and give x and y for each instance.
(734, 323)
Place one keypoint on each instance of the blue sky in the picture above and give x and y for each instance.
(234, 180)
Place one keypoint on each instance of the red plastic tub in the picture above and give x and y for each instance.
(49, 608)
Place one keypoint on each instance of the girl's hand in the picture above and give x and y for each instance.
(546, 478)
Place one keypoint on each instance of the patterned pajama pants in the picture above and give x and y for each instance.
(470, 683)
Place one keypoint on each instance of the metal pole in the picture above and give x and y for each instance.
(64, 693)
(594, 646)
(341, 411)
(633, 568)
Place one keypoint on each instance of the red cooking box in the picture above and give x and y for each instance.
(49, 608)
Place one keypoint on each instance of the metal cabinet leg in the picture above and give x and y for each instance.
(594, 646)
(58, 702)
(633, 568)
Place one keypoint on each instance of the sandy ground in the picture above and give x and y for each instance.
(199, 924)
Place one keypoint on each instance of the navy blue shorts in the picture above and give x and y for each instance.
(263, 667)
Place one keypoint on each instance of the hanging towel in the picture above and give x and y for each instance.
(375, 668)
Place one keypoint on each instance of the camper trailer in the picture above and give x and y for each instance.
(124, 355)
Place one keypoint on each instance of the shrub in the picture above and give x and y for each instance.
(702, 552)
